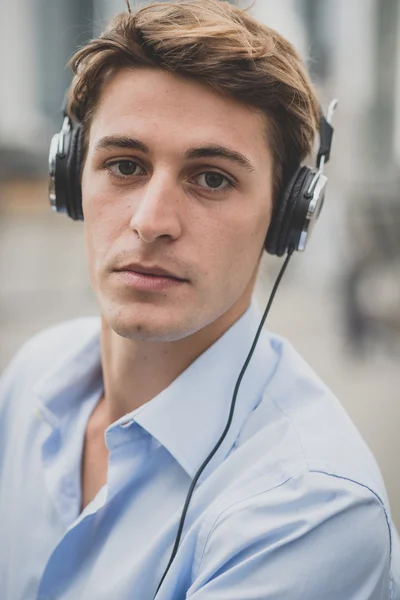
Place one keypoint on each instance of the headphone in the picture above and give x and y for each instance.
(293, 216)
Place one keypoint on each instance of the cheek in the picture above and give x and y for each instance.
(232, 245)
(248, 234)
(104, 220)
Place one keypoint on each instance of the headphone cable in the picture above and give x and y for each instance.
(230, 418)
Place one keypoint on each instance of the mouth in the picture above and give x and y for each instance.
(150, 278)
(150, 271)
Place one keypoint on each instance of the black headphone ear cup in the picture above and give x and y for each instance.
(288, 225)
(74, 165)
(273, 240)
(296, 211)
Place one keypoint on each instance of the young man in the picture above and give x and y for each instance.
(193, 118)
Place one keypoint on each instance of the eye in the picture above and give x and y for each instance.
(125, 168)
(215, 182)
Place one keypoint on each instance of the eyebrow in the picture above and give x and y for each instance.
(211, 151)
(217, 151)
(115, 142)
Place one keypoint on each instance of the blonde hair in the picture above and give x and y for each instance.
(213, 42)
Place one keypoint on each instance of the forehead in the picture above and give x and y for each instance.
(158, 106)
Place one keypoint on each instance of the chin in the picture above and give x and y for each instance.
(145, 332)
(160, 327)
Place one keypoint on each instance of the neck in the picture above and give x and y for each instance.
(135, 371)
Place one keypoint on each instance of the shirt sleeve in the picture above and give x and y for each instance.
(317, 536)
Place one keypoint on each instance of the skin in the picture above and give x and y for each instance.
(157, 208)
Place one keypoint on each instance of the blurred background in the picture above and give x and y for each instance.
(340, 302)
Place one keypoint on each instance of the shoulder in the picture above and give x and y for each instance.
(309, 427)
(311, 536)
(302, 475)
(46, 350)
(296, 507)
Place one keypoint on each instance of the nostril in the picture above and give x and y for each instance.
(154, 221)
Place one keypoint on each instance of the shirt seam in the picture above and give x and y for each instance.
(253, 496)
(222, 512)
(311, 470)
(366, 487)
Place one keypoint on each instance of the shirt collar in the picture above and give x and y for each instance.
(189, 416)
(76, 376)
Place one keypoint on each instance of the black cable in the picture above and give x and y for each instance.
(233, 403)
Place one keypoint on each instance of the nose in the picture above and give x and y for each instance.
(156, 214)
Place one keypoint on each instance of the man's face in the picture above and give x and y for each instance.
(176, 192)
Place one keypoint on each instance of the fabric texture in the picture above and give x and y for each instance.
(291, 507)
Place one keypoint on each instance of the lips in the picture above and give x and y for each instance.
(150, 271)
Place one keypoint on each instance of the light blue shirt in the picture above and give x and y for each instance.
(291, 507)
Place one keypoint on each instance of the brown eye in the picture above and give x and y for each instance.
(127, 167)
(214, 181)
